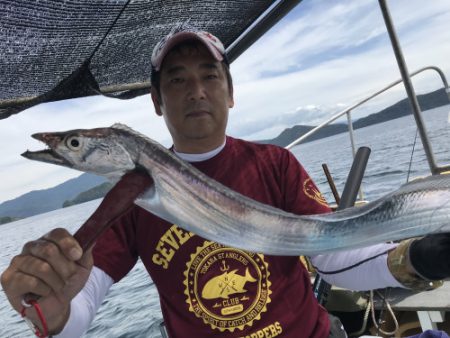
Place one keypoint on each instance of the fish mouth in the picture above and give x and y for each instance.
(48, 155)
(45, 155)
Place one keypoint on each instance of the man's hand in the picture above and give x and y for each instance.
(430, 256)
(53, 268)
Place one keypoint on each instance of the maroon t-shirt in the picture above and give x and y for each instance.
(209, 290)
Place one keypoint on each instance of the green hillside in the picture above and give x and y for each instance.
(89, 195)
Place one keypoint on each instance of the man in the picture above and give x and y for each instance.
(207, 289)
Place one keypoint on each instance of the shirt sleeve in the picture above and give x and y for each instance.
(357, 269)
(86, 303)
(301, 194)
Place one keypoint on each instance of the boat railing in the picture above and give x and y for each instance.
(347, 111)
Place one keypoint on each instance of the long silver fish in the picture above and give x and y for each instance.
(185, 196)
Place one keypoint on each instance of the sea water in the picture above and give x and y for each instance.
(132, 307)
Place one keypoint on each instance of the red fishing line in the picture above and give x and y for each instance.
(35, 329)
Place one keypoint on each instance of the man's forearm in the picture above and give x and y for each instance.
(372, 274)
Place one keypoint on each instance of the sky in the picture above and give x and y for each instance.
(321, 58)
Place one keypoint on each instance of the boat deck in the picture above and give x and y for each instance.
(430, 306)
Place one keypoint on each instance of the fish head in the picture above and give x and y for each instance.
(98, 151)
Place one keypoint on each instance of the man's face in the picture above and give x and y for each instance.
(195, 98)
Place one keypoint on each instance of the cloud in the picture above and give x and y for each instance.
(358, 61)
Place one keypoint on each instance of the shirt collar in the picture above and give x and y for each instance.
(200, 157)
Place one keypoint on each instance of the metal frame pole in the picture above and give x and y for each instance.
(408, 86)
(352, 141)
(275, 13)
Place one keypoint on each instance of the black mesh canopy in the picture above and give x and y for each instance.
(58, 49)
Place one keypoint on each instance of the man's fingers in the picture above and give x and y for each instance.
(48, 252)
(16, 284)
(87, 260)
(43, 271)
(52, 268)
(52, 261)
(66, 243)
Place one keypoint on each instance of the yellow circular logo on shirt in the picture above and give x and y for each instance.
(227, 288)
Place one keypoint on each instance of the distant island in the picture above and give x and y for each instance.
(89, 195)
(40, 201)
(402, 108)
(87, 187)
(7, 219)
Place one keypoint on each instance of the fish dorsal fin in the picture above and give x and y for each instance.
(121, 126)
(124, 127)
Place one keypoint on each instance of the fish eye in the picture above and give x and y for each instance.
(73, 143)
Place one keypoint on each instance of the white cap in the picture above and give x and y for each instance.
(183, 32)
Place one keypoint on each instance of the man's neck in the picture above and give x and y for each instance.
(198, 146)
